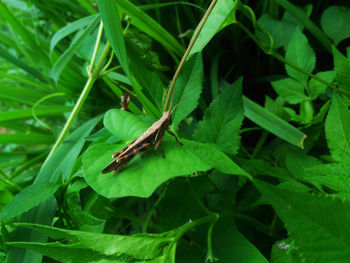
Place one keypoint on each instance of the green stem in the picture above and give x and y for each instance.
(150, 213)
(279, 57)
(201, 221)
(187, 52)
(93, 75)
(210, 257)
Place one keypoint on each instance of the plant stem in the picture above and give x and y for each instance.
(184, 57)
(93, 75)
(279, 57)
(150, 213)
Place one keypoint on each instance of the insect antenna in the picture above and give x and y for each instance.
(177, 104)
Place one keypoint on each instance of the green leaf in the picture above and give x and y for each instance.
(229, 245)
(281, 30)
(188, 87)
(30, 197)
(11, 159)
(334, 23)
(290, 90)
(64, 59)
(335, 176)
(25, 138)
(222, 15)
(316, 87)
(146, 24)
(21, 64)
(301, 54)
(297, 162)
(300, 15)
(337, 130)
(59, 164)
(70, 28)
(315, 223)
(142, 176)
(27, 37)
(79, 244)
(223, 119)
(284, 252)
(114, 32)
(342, 70)
(272, 123)
(28, 113)
(116, 122)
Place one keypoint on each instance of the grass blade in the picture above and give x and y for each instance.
(146, 24)
(272, 123)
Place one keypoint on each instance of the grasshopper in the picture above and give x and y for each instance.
(125, 99)
(152, 136)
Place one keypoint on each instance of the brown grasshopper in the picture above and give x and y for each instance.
(125, 99)
(152, 136)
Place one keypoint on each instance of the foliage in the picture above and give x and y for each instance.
(262, 113)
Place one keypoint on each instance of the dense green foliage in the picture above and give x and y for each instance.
(263, 174)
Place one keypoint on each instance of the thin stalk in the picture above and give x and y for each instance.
(201, 221)
(149, 215)
(279, 57)
(184, 57)
(93, 75)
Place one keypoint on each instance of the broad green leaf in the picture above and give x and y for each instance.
(334, 175)
(64, 59)
(334, 23)
(28, 113)
(290, 90)
(69, 29)
(272, 123)
(318, 224)
(301, 54)
(77, 243)
(284, 251)
(221, 16)
(66, 253)
(188, 203)
(124, 125)
(281, 30)
(60, 163)
(229, 245)
(223, 119)
(342, 70)
(30, 197)
(114, 32)
(188, 87)
(25, 138)
(337, 130)
(316, 87)
(297, 162)
(300, 15)
(145, 23)
(143, 175)
(262, 167)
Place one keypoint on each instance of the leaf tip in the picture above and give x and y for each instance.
(302, 141)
